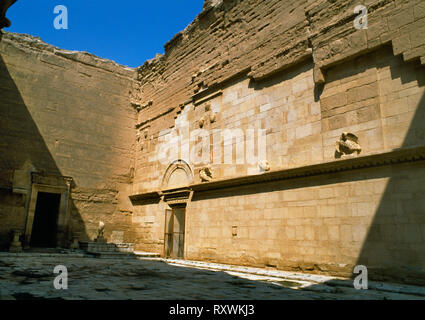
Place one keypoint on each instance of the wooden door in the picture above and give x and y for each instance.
(174, 233)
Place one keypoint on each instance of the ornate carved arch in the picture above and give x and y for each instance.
(178, 175)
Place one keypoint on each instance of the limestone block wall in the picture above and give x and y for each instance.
(253, 41)
(284, 108)
(222, 41)
(69, 114)
(303, 73)
(326, 224)
(378, 97)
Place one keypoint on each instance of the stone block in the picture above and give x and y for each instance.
(401, 18)
(401, 44)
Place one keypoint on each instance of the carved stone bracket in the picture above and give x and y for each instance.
(368, 161)
(206, 174)
(347, 144)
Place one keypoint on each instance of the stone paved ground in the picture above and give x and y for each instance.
(30, 276)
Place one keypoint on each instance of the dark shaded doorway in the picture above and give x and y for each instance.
(45, 225)
(174, 233)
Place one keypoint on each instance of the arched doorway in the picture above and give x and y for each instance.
(177, 178)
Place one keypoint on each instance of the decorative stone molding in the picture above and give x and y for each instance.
(368, 161)
(146, 198)
(347, 144)
(177, 166)
(50, 179)
(177, 197)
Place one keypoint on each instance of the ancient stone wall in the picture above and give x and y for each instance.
(67, 114)
(324, 123)
(327, 224)
(305, 75)
(255, 40)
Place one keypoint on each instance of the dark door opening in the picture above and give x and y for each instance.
(45, 225)
(174, 233)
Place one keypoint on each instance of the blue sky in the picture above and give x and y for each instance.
(128, 31)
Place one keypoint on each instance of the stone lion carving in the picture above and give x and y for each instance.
(347, 144)
(264, 165)
(205, 174)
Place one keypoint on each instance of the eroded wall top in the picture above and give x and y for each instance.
(283, 49)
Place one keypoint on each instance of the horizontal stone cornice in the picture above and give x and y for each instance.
(368, 161)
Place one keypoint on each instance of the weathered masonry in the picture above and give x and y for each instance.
(336, 113)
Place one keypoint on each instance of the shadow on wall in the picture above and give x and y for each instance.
(21, 147)
(395, 242)
(393, 249)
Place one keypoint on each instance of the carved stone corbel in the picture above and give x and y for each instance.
(205, 174)
(347, 144)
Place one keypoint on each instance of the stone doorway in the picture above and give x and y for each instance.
(174, 233)
(57, 189)
(45, 225)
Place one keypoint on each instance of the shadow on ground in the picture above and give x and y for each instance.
(132, 279)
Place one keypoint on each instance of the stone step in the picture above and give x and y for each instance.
(25, 254)
(146, 254)
(113, 255)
